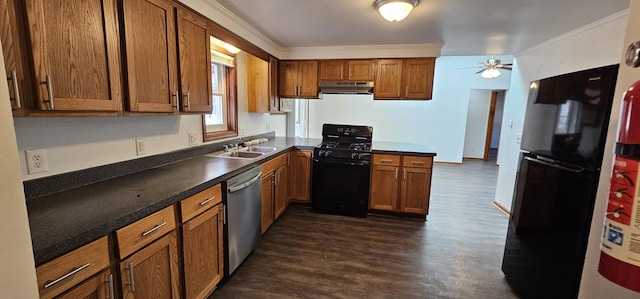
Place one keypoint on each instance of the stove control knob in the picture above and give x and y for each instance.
(354, 155)
(327, 153)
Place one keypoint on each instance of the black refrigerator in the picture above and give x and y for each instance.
(562, 146)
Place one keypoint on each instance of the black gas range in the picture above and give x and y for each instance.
(341, 170)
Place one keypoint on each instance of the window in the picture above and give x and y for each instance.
(223, 121)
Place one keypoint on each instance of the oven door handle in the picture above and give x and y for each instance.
(352, 163)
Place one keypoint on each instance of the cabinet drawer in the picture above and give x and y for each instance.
(198, 203)
(386, 160)
(144, 231)
(275, 163)
(417, 161)
(72, 268)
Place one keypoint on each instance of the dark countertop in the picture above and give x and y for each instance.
(66, 220)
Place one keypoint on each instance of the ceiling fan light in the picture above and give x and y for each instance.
(490, 73)
(394, 10)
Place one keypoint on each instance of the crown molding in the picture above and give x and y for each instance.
(363, 51)
(613, 17)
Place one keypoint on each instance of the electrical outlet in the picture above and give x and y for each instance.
(140, 147)
(37, 161)
(193, 138)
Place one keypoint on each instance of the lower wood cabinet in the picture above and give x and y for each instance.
(401, 183)
(149, 257)
(98, 286)
(301, 175)
(202, 242)
(275, 189)
(71, 273)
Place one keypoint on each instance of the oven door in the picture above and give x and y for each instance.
(340, 186)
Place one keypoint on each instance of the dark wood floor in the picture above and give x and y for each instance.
(456, 253)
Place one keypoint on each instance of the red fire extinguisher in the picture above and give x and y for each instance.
(620, 247)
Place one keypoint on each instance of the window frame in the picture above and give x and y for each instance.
(232, 109)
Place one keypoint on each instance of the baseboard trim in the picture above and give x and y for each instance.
(474, 159)
(501, 208)
(450, 163)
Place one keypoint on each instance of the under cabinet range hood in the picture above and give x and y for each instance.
(334, 87)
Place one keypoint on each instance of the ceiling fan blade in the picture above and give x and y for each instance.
(480, 71)
(508, 68)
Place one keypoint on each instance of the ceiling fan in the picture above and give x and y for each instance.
(492, 68)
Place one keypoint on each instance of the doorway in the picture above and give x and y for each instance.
(484, 122)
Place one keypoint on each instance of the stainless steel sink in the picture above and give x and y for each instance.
(261, 149)
(240, 154)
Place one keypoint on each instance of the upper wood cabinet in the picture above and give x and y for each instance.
(274, 98)
(194, 62)
(258, 84)
(76, 56)
(151, 61)
(298, 78)
(18, 75)
(404, 79)
(346, 70)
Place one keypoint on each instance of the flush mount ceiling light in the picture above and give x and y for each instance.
(231, 48)
(395, 10)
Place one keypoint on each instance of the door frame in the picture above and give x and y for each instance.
(491, 118)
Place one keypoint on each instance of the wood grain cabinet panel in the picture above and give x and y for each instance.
(150, 47)
(200, 202)
(288, 78)
(144, 231)
(275, 189)
(401, 183)
(203, 253)
(346, 70)
(268, 182)
(281, 194)
(331, 70)
(274, 98)
(404, 79)
(194, 63)
(300, 182)
(361, 70)
(153, 271)
(258, 98)
(299, 79)
(99, 286)
(76, 55)
(14, 50)
(69, 270)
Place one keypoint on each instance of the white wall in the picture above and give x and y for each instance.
(439, 123)
(16, 254)
(477, 120)
(74, 143)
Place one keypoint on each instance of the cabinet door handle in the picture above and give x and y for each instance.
(16, 92)
(73, 272)
(386, 161)
(153, 230)
(175, 96)
(132, 282)
(405, 174)
(396, 173)
(207, 201)
(188, 106)
(417, 163)
(49, 92)
(406, 91)
(111, 292)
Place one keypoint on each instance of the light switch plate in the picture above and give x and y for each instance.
(140, 147)
(193, 138)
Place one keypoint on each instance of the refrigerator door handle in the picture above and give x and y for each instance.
(574, 170)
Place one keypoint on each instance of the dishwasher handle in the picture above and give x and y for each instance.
(245, 184)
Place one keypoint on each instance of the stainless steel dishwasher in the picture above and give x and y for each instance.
(243, 216)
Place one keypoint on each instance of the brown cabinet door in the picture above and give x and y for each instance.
(418, 78)
(301, 175)
(384, 188)
(308, 79)
(13, 45)
(331, 70)
(194, 63)
(150, 45)
(416, 186)
(274, 98)
(361, 70)
(152, 272)
(282, 190)
(288, 79)
(268, 182)
(203, 252)
(257, 84)
(76, 56)
(388, 78)
(98, 286)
